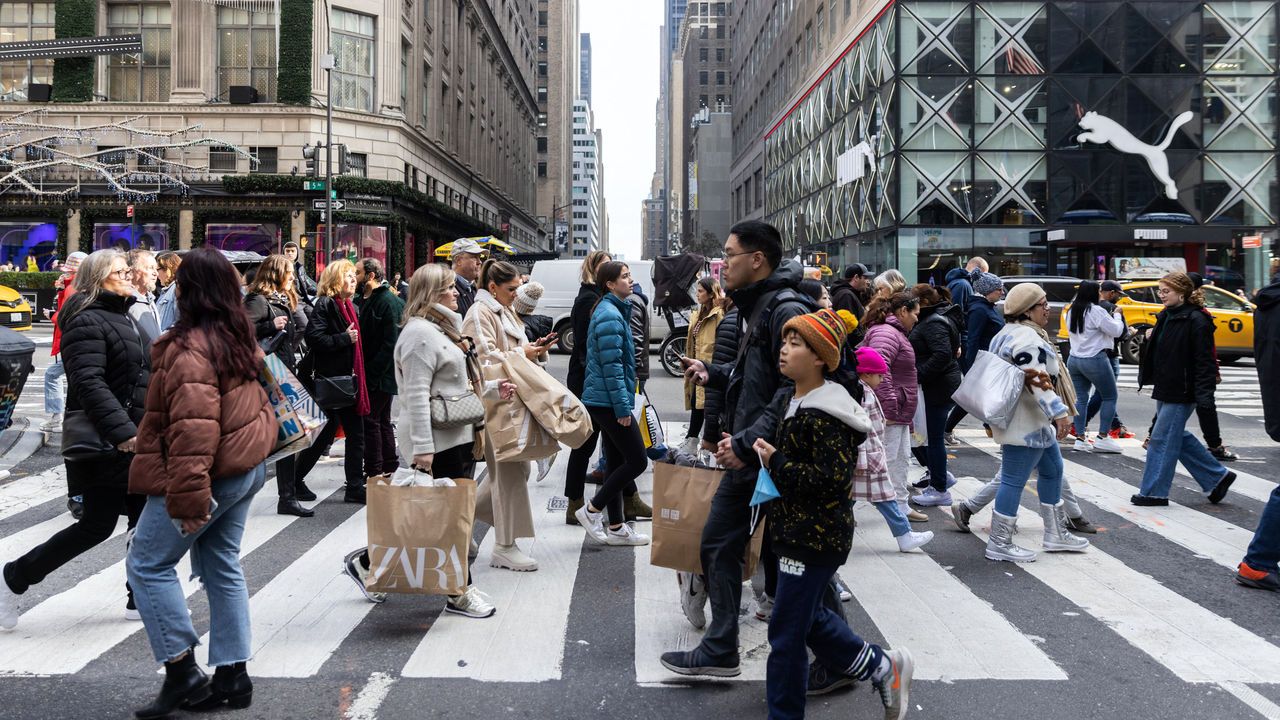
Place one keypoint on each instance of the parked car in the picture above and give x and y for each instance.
(1059, 289)
(15, 311)
(560, 282)
(1232, 319)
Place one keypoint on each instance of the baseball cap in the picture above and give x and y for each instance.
(72, 263)
(464, 246)
(856, 270)
(1111, 286)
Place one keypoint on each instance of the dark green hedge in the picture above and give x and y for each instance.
(73, 77)
(145, 213)
(28, 280)
(293, 76)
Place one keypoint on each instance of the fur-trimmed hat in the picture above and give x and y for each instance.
(824, 332)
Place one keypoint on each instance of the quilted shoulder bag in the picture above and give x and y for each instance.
(454, 411)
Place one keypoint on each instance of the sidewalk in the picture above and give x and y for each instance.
(19, 442)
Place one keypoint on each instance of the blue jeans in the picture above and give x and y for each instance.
(801, 619)
(55, 392)
(935, 416)
(1095, 400)
(1016, 464)
(1264, 551)
(892, 514)
(1096, 372)
(215, 558)
(1171, 443)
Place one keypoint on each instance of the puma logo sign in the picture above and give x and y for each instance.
(1101, 129)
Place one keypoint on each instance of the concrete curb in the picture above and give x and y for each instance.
(18, 443)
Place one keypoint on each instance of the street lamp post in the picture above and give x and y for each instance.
(327, 63)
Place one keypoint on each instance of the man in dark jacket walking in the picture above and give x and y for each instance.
(303, 285)
(850, 294)
(1260, 566)
(640, 331)
(765, 290)
(380, 312)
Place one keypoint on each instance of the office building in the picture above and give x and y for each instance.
(556, 89)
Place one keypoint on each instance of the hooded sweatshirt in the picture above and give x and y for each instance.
(817, 452)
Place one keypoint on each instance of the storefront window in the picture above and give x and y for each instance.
(354, 242)
(262, 238)
(20, 240)
(125, 236)
(1010, 251)
(927, 254)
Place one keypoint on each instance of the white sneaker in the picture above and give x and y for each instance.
(354, 570)
(593, 523)
(693, 598)
(1082, 445)
(690, 446)
(625, 535)
(8, 606)
(764, 607)
(544, 466)
(52, 425)
(1107, 445)
(913, 540)
(842, 589)
(472, 604)
(509, 557)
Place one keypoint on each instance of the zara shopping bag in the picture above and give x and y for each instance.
(418, 536)
(991, 389)
(681, 503)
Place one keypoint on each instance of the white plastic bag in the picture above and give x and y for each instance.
(411, 477)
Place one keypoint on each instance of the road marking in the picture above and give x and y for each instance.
(28, 492)
(20, 542)
(1252, 698)
(370, 698)
(1246, 485)
(1190, 641)
(524, 641)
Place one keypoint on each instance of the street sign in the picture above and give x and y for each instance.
(322, 205)
(313, 185)
(1249, 242)
(128, 211)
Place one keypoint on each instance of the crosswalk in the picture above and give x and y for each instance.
(1238, 394)
(940, 602)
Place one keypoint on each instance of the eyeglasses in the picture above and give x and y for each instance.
(731, 255)
(121, 273)
(1042, 304)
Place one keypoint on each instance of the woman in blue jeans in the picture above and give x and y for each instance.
(1178, 363)
(207, 430)
(1040, 420)
(1092, 331)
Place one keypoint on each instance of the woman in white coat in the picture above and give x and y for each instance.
(502, 499)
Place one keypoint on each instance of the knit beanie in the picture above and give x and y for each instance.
(527, 297)
(824, 332)
(987, 283)
(871, 362)
(1021, 298)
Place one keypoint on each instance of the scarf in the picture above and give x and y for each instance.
(1062, 384)
(348, 313)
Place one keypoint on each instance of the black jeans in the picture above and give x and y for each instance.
(724, 547)
(936, 450)
(104, 502)
(695, 422)
(352, 461)
(625, 460)
(379, 436)
(1209, 426)
(957, 414)
(575, 472)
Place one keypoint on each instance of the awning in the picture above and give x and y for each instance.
(489, 242)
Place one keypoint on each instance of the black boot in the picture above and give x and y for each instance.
(302, 492)
(231, 686)
(354, 494)
(184, 682)
(288, 504)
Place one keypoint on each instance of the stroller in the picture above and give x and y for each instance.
(672, 278)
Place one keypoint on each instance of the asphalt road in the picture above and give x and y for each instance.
(1147, 625)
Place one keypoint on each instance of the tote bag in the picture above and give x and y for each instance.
(419, 536)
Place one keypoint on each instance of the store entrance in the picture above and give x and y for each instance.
(1121, 262)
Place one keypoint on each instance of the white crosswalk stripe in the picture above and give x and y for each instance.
(1238, 394)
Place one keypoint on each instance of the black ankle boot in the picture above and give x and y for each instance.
(184, 681)
(290, 506)
(354, 494)
(231, 686)
(302, 492)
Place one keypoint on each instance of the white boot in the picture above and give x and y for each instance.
(913, 540)
(509, 557)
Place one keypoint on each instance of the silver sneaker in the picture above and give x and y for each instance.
(1000, 543)
(625, 535)
(843, 590)
(472, 604)
(1056, 536)
(961, 514)
(544, 466)
(693, 598)
(353, 569)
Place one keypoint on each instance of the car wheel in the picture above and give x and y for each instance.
(1131, 348)
(565, 342)
(671, 352)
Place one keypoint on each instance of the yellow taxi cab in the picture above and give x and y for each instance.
(1232, 319)
(15, 312)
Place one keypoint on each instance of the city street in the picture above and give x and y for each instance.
(1148, 624)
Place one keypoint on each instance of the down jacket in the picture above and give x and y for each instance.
(1182, 341)
(898, 391)
(198, 428)
(936, 338)
(640, 331)
(727, 334)
(611, 358)
(580, 321)
(332, 353)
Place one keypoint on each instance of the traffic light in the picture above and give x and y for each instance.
(309, 155)
(342, 160)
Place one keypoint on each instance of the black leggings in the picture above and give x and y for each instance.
(624, 457)
(695, 422)
(353, 458)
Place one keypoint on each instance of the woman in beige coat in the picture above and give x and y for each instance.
(503, 498)
(701, 345)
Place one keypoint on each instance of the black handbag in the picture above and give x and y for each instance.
(272, 345)
(335, 392)
(80, 439)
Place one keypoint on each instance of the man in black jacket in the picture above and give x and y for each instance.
(303, 284)
(467, 257)
(1259, 568)
(765, 291)
(380, 313)
(851, 294)
(640, 331)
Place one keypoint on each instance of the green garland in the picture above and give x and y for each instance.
(293, 75)
(73, 76)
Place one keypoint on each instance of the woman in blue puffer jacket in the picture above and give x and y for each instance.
(609, 394)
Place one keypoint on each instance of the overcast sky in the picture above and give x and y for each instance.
(624, 88)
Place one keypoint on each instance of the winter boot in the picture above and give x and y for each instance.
(184, 681)
(1056, 536)
(1000, 543)
(288, 504)
(635, 508)
(231, 686)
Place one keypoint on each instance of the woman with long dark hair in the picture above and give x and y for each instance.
(270, 306)
(207, 430)
(936, 340)
(609, 393)
(700, 345)
(1092, 331)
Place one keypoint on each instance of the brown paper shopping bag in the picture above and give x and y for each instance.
(681, 503)
(512, 428)
(418, 537)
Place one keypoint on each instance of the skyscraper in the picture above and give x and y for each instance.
(584, 69)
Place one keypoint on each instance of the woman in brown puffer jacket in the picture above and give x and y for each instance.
(202, 444)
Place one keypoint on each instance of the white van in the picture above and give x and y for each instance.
(560, 281)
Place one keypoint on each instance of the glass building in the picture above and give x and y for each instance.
(1068, 138)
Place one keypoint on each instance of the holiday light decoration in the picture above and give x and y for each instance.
(61, 160)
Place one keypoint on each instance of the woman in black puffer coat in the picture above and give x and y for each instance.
(936, 341)
(107, 365)
(575, 478)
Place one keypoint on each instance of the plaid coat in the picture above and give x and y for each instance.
(871, 475)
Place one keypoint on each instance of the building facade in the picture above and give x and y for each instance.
(584, 64)
(588, 222)
(1075, 138)
(557, 86)
(710, 213)
(434, 102)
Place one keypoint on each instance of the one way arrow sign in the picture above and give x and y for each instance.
(322, 205)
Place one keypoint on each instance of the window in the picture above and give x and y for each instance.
(151, 159)
(426, 94)
(542, 68)
(820, 22)
(719, 54)
(222, 158)
(404, 77)
(703, 54)
(720, 32)
(848, 8)
(542, 169)
(719, 77)
(702, 77)
(542, 95)
(542, 18)
(704, 32)
(105, 156)
(542, 144)
(353, 46)
(542, 43)
(22, 22)
(542, 119)
(145, 77)
(358, 164)
(266, 157)
(246, 51)
(702, 101)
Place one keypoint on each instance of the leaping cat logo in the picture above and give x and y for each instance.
(1103, 130)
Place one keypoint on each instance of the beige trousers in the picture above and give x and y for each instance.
(502, 500)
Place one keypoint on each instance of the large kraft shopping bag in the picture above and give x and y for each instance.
(298, 417)
(513, 429)
(556, 409)
(681, 503)
(418, 537)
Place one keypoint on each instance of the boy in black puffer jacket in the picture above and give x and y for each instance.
(812, 523)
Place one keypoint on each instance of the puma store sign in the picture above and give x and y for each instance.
(1103, 130)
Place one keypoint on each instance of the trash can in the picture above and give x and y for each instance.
(16, 351)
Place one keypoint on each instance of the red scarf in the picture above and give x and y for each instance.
(348, 313)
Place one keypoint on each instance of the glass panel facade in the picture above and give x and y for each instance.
(22, 22)
(247, 51)
(140, 77)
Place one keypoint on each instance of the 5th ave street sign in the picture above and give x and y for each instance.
(322, 205)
